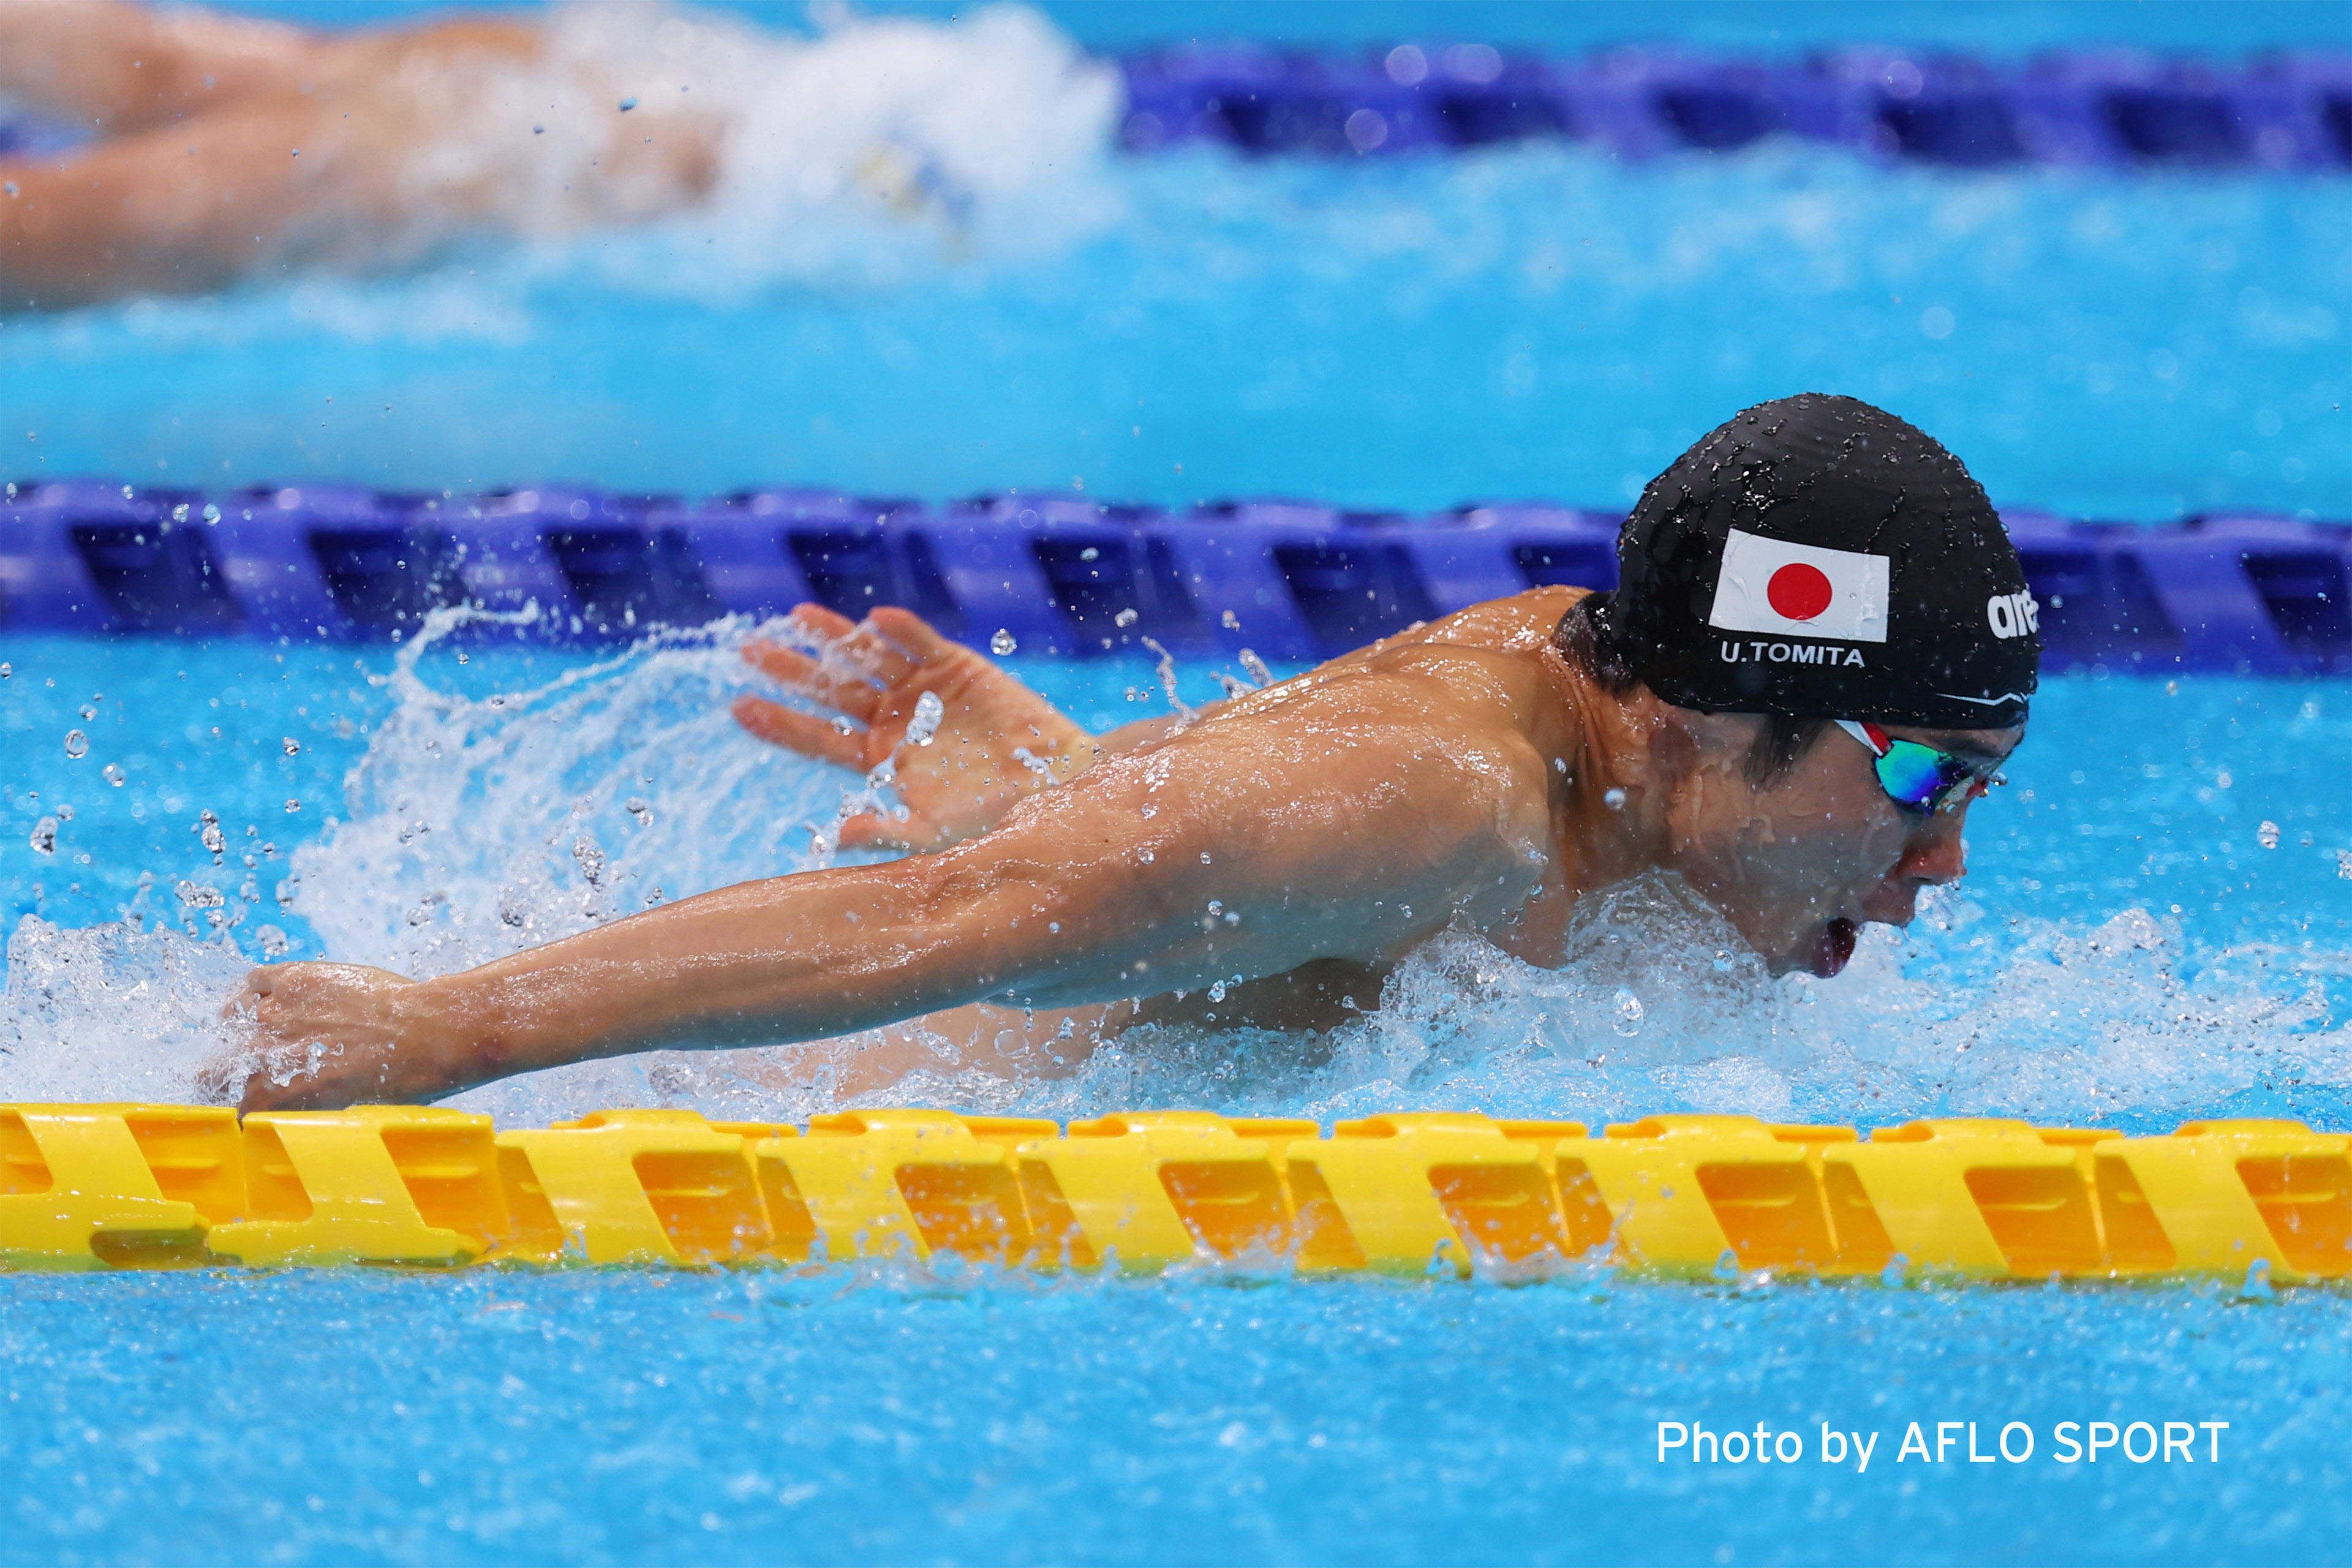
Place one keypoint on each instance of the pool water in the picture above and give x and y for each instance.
(1394, 332)
(2158, 923)
(623, 1417)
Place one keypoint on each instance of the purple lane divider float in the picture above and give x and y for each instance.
(2115, 107)
(1059, 574)
(2109, 107)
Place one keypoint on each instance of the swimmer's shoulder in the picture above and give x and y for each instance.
(1519, 625)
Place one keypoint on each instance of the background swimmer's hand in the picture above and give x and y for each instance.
(991, 740)
(332, 1035)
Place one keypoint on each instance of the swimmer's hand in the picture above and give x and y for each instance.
(991, 740)
(331, 1034)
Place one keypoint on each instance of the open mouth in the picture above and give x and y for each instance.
(1834, 948)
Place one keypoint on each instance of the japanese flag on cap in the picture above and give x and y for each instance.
(1799, 590)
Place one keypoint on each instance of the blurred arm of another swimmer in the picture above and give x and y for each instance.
(1475, 772)
(227, 145)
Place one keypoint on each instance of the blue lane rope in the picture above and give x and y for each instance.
(2111, 107)
(1061, 573)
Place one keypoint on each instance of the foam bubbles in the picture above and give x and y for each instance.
(878, 147)
(112, 1013)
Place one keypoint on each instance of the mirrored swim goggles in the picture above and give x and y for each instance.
(1919, 778)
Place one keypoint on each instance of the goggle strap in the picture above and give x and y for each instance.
(1873, 738)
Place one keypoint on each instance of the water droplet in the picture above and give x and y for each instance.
(1217, 992)
(589, 858)
(1230, 621)
(2344, 864)
(1613, 799)
(1559, 764)
(2267, 835)
(1002, 642)
(1090, 553)
(6, 670)
(1124, 618)
(113, 776)
(924, 727)
(1204, 856)
(65, 814)
(45, 837)
(638, 808)
(1146, 856)
(627, 104)
(196, 896)
(293, 805)
(76, 743)
(87, 712)
(1628, 1014)
(841, 724)
(1257, 668)
(293, 747)
(273, 943)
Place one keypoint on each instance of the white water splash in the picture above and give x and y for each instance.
(111, 1013)
(876, 147)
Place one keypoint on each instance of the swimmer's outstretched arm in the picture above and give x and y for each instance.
(1334, 821)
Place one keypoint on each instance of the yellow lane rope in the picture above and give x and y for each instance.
(144, 1186)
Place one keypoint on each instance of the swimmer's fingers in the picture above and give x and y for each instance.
(871, 647)
(803, 732)
(922, 644)
(825, 625)
(851, 693)
(246, 1002)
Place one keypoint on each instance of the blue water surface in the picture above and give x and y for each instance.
(831, 1418)
(1409, 331)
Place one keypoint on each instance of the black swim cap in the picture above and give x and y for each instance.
(1818, 557)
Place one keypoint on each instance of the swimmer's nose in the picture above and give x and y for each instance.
(1932, 857)
(1934, 854)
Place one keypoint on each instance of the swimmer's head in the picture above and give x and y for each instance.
(1817, 557)
(1814, 560)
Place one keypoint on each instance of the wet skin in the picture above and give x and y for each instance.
(1303, 838)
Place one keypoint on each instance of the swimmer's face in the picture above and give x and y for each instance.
(1800, 863)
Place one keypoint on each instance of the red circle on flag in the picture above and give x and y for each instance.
(1798, 591)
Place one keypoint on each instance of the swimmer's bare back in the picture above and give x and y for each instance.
(1302, 837)
(228, 147)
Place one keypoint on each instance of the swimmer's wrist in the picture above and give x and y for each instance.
(464, 1031)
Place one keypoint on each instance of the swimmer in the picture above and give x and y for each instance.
(1819, 653)
(227, 146)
